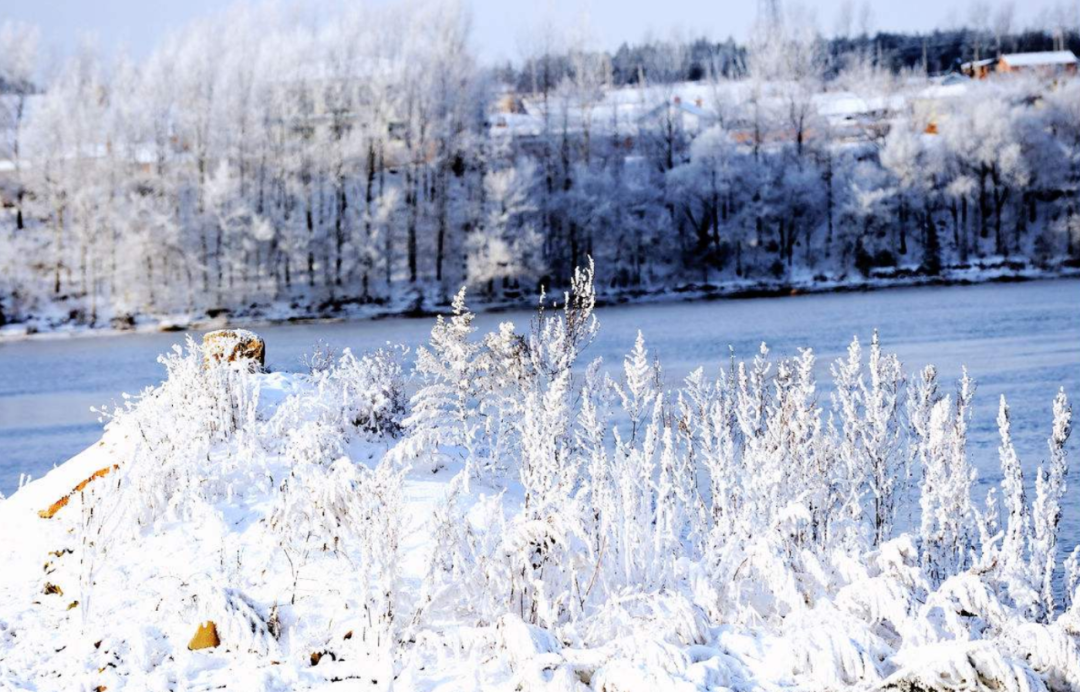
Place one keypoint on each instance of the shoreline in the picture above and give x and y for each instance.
(686, 293)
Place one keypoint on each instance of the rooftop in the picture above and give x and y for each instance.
(1056, 57)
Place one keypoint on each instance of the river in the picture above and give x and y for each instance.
(1020, 339)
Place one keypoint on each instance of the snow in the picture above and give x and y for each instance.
(841, 104)
(944, 89)
(335, 534)
(1058, 57)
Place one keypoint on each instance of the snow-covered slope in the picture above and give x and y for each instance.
(521, 525)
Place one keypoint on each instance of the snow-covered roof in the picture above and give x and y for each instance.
(696, 110)
(840, 103)
(1055, 57)
(845, 104)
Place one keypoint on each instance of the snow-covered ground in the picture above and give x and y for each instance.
(522, 524)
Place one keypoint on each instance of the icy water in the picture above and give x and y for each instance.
(1022, 340)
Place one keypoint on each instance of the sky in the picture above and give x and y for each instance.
(501, 27)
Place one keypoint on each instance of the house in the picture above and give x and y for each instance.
(692, 117)
(1044, 64)
(854, 118)
(979, 69)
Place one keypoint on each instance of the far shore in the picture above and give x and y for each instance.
(351, 311)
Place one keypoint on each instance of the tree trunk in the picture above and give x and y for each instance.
(339, 229)
(412, 199)
(443, 206)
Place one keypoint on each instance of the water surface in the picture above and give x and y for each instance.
(1022, 340)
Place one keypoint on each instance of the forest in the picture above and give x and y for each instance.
(251, 165)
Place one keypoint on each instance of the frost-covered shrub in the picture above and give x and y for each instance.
(737, 499)
(175, 426)
(1046, 512)
(201, 448)
(351, 397)
(445, 408)
(870, 425)
(624, 486)
(372, 390)
(320, 359)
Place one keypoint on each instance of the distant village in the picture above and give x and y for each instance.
(620, 113)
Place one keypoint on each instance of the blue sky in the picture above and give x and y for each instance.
(501, 27)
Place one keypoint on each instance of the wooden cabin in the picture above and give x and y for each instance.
(1044, 64)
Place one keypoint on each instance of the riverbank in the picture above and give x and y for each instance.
(421, 304)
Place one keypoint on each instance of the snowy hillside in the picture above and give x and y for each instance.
(521, 522)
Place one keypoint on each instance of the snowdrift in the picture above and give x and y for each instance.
(522, 522)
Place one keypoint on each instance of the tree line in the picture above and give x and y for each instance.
(254, 164)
